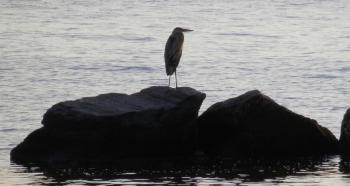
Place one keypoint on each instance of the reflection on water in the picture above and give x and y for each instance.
(298, 171)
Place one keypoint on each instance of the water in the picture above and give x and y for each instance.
(297, 52)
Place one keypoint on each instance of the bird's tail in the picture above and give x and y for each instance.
(170, 70)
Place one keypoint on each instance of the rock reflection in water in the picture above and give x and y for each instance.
(185, 172)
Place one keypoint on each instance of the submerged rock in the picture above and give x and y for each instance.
(157, 121)
(345, 133)
(253, 124)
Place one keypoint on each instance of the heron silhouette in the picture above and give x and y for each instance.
(173, 51)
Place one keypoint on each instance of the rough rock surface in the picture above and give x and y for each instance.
(157, 121)
(345, 133)
(253, 125)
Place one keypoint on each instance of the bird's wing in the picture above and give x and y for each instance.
(173, 51)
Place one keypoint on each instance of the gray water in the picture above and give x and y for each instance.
(295, 51)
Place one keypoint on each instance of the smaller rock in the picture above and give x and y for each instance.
(253, 124)
(345, 133)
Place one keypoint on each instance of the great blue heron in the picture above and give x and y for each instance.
(173, 51)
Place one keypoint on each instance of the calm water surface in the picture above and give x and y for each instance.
(297, 52)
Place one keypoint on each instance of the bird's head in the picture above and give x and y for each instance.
(179, 29)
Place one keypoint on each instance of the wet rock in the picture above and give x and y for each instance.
(345, 133)
(157, 121)
(253, 125)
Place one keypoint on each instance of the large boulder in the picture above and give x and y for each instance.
(345, 133)
(254, 125)
(155, 122)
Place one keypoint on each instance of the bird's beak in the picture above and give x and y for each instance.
(186, 30)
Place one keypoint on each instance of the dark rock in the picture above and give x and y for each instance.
(345, 133)
(157, 121)
(253, 125)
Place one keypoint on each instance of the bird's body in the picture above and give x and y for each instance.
(173, 51)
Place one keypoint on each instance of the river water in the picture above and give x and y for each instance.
(295, 51)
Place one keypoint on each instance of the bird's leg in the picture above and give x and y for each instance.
(169, 81)
(175, 79)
